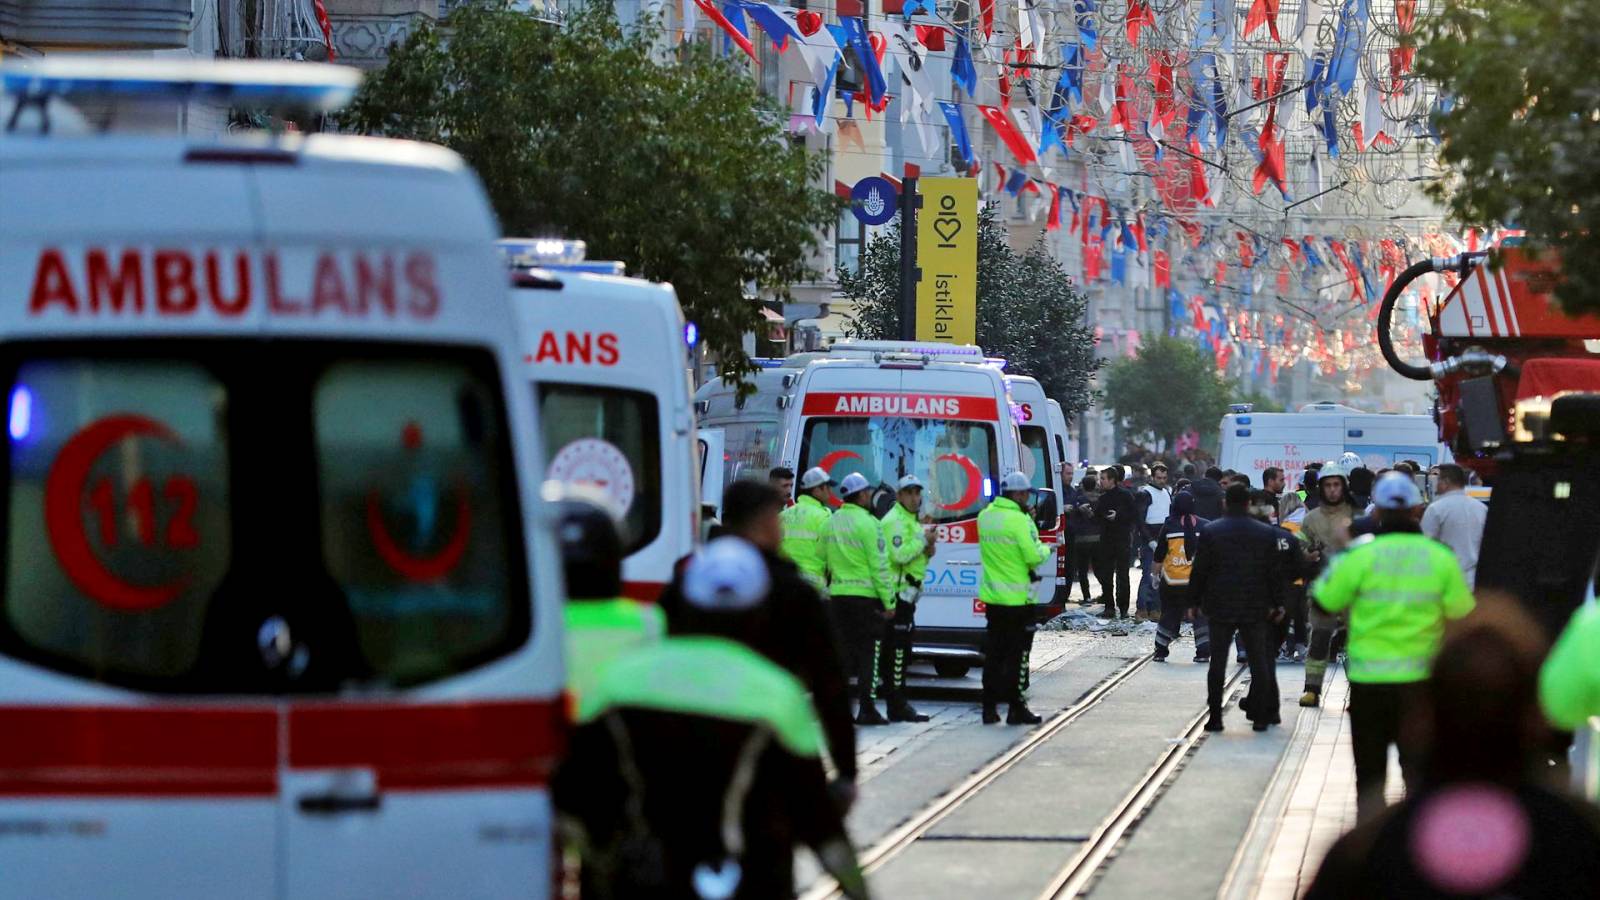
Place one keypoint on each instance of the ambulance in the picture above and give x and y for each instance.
(748, 426)
(279, 618)
(1042, 454)
(1252, 442)
(609, 369)
(887, 409)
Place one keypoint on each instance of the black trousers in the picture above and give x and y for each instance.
(1115, 558)
(1377, 716)
(1294, 630)
(1007, 641)
(1174, 605)
(1258, 636)
(1085, 562)
(860, 624)
(896, 652)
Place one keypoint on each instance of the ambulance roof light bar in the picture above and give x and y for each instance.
(312, 87)
(944, 352)
(556, 254)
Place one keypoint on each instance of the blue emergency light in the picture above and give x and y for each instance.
(555, 254)
(316, 87)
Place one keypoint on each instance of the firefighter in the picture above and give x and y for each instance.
(805, 523)
(861, 589)
(601, 625)
(1009, 545)
(698, 767)
(909, 549)
(1326, 530)
(1399, 588)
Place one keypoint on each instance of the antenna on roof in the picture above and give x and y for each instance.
(288, 86)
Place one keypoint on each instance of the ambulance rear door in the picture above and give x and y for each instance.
(607, 358)
(120, 772)
(1041, 462)
(710, 443)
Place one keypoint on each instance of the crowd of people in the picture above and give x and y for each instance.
(807, 588)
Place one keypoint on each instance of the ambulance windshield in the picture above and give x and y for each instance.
(244, 517)
(956, 460)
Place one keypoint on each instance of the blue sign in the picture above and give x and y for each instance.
(874, 200)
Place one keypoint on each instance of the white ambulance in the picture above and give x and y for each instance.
(1252, 442)
(278, 618)
(1042, 455)
(609, 366)
(751, 425)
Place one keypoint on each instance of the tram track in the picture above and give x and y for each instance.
(1078, 873)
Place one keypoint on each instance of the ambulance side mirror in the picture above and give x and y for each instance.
(1046, 508)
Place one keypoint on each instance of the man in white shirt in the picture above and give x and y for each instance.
(1456, 520)
(1156, 500)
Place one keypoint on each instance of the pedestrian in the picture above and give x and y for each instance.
(1071, 498)
(1273, 482)
(861, 590)
(782, 480)
(695, 769)
(1118, 519)
(1174, 554)
(1238, 581)
(1009, 546)
(1297, 566)
(1399, 587)
(1481, 823)
(909, 546)
(1361, 480)
(1086, 530)
(1569, 685)
(1298, 639)
(805, 524)
(1456, 519)
(1308, 485)
(1208, 494)
(1156, 501)
(601, 624)
(792, 627)
(1326, 531)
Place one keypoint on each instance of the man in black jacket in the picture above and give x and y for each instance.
(1118, 516)
(1208, 495)
(1239, 582)
(791, 628)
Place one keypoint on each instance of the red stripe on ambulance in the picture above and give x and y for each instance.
(175, 283)
(918, 406)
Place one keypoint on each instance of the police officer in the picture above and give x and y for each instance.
(804, 525)
(1398, 587)
(1009, 546)
(909, 550)
(601, 624)
(1569, 682)
(862, 590)
(698, 767)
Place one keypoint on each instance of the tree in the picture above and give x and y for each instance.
(674, 163)
(1028, 311)
(1169, 388)
(1521, 126)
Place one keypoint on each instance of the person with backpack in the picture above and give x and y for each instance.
(1174, 555)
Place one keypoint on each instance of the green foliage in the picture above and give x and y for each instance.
(674, 163)
(1169, 388)
(1258, 401)
(1028, 311)
(1524, 131)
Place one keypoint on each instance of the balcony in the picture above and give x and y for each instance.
(363, 30)
(96, 24)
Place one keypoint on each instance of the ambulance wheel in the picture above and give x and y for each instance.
(951, 668)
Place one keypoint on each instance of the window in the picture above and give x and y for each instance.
(174, 506)
(610, 439)
(955, 460)
(749, 450)
(852, 239)
(1036, 462)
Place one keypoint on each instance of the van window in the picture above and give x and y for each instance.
(956, 460)
(166, 500)
(1036, 463)
(610, 439)
(749, 449)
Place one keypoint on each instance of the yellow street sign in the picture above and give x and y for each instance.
(947, 255)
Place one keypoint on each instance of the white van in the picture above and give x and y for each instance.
(1067, 450)
(1042, 451)
(278, 619)
(751, 425)
(1252, 441)
(609, 366)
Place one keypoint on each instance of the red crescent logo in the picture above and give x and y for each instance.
(63, 515)
(420, 568)
(974, 481)
(827, 463)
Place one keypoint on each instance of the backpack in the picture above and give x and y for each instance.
(1177, 566)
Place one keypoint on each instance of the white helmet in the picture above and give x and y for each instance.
(1351, 461)
(1332, 469)
(815, 477)
(727, 575)
(853, 483)
(1015, 481)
